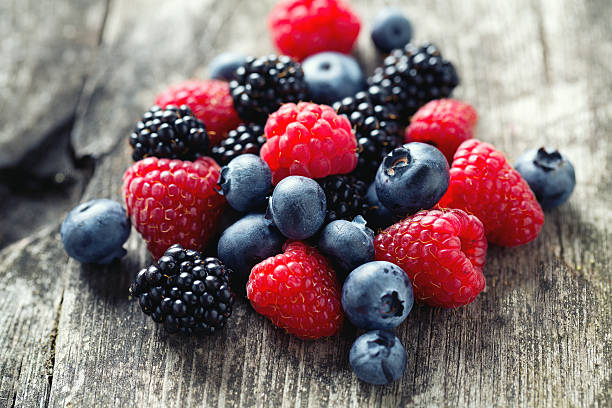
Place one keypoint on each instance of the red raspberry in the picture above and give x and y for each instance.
(298, 291)
(301, 28)
(442, 251)
(308, 140)
(484, 184)
(209, 100)
(173, 202)
(444, 123)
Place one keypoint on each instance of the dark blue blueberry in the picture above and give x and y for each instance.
(391, 30)
(347, 244)
(379, 217)
(95, 231)
(297, 207)
(378, 357)
(412, 177)
(331, 76)
(247, 242)
(549, 174)
(246, 182)
(224, 65)
(377, 295)
(228, 218)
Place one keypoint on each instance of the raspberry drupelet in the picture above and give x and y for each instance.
(298, 291)
(300, 28)
(484, 184)
(442, 251)
(173, 202)
(308, 140)
(210, 102)
(443, 123)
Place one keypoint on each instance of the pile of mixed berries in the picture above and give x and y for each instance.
(340, 194)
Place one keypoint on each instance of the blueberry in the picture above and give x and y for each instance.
(227, 219)
(245, 243)
(297, 207)
(331, 76)
(377, 295)
(379, 217)
(348, 244)
(224, 65)
(378, 357)
(95, 231)
(412, 177)
(246, 182)
(391, 30)
(549, 174)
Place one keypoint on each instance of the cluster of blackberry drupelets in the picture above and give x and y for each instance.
(376, 125)
(414, 76)
(345, 197)
(244, 139)
(263, 84)
(170, 133)
(185, 292)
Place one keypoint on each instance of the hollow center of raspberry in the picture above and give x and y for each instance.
(391, 305)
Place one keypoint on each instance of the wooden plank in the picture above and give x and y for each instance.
(31, 289)
(45, 48)
(538, 336)
(45, 52)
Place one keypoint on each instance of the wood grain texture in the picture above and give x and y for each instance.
(46, 46)
(537, 71)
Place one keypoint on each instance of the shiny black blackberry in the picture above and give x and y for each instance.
(263, 84)
(186, 292)
(345, 196)
(173, 133)
(376, 127)
(243, 139)
(414, 76)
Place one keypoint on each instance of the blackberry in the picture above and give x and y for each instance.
(173, 133)
(376, 127)
(263, 84)
(345, 196)
(414, 76)
(243, 139)
(186, 292)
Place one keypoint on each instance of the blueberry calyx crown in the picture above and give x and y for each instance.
(391, 305)
(382, 344)
(361, 223)
(548, 159)
(397, 161)
(222, 183)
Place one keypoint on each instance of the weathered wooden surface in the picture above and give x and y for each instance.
(537, 71)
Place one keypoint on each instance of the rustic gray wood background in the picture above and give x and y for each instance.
(74, 77)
